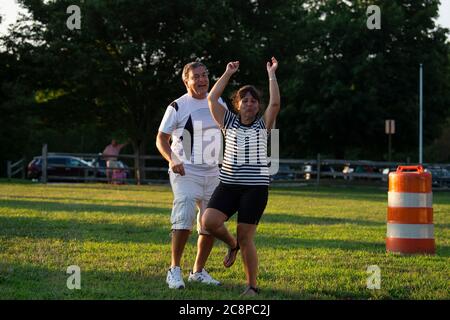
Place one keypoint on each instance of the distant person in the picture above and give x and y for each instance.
(110, 154)
(186, 122)
(244, 176)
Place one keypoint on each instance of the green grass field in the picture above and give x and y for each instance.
(312, 244)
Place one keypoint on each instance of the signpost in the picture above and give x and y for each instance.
(421, 115)
(390, 130)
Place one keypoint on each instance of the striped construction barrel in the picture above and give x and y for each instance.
(410, 226)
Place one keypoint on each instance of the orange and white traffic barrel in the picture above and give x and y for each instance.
(410, 226)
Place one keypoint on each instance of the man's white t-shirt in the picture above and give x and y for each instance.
(196, 138)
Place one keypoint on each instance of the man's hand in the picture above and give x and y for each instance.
(176, 166)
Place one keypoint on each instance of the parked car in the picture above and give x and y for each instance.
(361, 171)
(100, 166)
(71, 168)
(386, 171)
(326, 171)
(440, 177)
(285, 172)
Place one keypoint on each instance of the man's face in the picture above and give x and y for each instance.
(114, 142)
(197, 83)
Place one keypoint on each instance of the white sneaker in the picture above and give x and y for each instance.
(203, 277)
(174, 278)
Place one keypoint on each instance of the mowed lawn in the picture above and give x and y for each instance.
(313, 243)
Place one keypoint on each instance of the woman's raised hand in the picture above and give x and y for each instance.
(232, 67)
(272, 65)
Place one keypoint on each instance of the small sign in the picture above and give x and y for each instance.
(390, 126)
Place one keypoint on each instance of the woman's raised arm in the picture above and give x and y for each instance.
(217, 110)
(274, 103)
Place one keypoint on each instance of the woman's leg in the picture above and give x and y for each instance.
(245, 235)
(213, 221)
(252, 205)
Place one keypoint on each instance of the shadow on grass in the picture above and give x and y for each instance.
(82, 200)
(107, 231)
(19, 281)
(125, 233)
(104, 187)
(265, 241)
(80, 207)
(34, 227)
(351, 193)
(307, 220)
(338, 193)
(287, 218)
(289, 243)
(315, 294)
(15, 181)
(40, 228)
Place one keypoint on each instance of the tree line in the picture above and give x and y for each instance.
(339, 80)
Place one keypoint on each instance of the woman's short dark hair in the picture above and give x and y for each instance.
(242, 92)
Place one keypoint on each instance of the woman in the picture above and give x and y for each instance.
(244, 176)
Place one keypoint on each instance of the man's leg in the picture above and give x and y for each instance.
(185, 191)
(205, 241)
(183, 213)
(205, 244)
(179, 239)
(174, 276)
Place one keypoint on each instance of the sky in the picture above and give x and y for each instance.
(9, 11)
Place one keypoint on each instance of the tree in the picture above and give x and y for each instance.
(124, 65)
(339, 81)
(121, 69)
(351, 79)
(16, 118)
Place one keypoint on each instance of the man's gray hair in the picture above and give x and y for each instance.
(188, 67)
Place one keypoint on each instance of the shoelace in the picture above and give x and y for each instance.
(177, 277)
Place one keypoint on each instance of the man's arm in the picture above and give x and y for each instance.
(163, 145)
(123, 144)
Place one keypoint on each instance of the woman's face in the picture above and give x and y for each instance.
(248, 106)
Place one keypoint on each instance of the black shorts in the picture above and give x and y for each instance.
(248, 201)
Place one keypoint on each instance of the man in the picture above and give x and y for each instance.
(110, 154)
(187, 121)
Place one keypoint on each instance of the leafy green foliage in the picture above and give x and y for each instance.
(339, 80)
